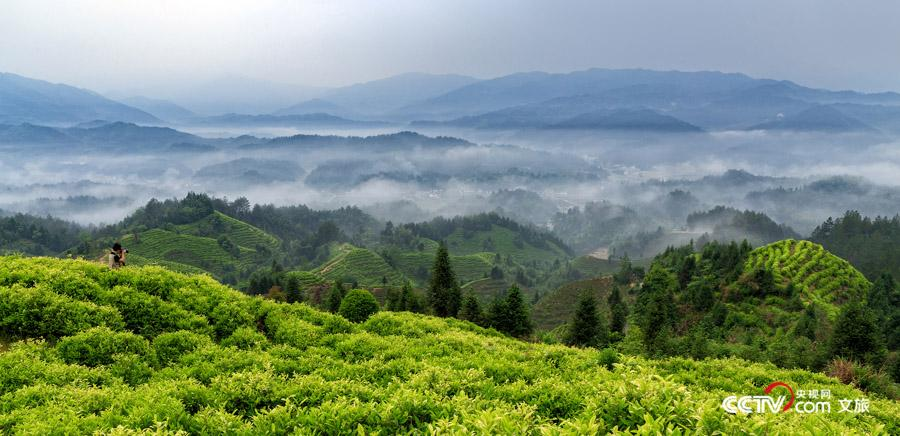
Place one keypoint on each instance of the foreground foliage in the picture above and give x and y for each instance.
(143, 348)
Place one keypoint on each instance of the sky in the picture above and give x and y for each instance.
(114, 45)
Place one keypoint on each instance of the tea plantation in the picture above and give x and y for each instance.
(823, 277)
(86, 349)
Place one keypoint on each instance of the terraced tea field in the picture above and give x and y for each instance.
(821, 276)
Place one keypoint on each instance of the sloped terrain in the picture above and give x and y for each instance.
(558, 307)
(819, 275)
(361, 265)
(502, 240)
(94, 350)
(159, 245)
(417, 264)
(241, 233)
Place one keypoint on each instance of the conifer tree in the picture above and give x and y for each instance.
(856, 335)
(444, 295)
(686, 272)
(292, 290)
(510, 315)
(807, 324)
(405, 300)
(471, 310)
(625, 273)
(884, 301)
(588, 328)
(335, 296)
(656, 308)
(391, 299)
(618, 311)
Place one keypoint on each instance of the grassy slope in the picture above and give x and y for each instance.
(503, 241)
(201, 252)
(559, 306)
(289, 367)
(188, 249)
(820, 276)
(467, 267)
(360, 264)
(241, 233)
(487, 289)
(136, 260)
(590, 266)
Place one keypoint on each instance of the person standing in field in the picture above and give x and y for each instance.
(117, 256)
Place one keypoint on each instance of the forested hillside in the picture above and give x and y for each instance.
(36, 236)
(870, 244)
(89, 349)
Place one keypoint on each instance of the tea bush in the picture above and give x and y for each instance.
(358, 305)
(258, 366)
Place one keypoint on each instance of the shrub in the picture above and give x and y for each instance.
(39, 312)
(246, 338)
(607, 358)
(864, 377)
(97, 346)
(228, 317)
(149, 315)
(170, 346)
(358, 305)
(132, 368)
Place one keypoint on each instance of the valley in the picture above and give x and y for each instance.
(463, 218)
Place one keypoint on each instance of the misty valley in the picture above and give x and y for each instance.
(588, 252)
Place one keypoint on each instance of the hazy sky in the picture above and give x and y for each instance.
(115, 44)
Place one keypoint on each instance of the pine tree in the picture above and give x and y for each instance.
(686, 272)
(335, 297)
(292, 289)
(884, 301)
(407, 300)
(391, 299)
(444, 295)
(471, 310)
(656, 308)
(808, 323)
(510, 315)
(618, 311)
(700, 293)
(625, 273)
(856, 335)
(588, 329)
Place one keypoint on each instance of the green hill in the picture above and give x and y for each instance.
(488, 289)
(417, 265)
(364, 266)
(197, 251)
(558, 307)
(502, 240)
(94, 350)
(590, 266)
(137, 260)
(218, 244)
(218, 224)
(819, 275)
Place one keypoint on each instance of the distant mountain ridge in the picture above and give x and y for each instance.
(162, 109)
(594, 99)
(24, 100)
(380, 97)
(96, 132)
(706, 100)
(816, 118)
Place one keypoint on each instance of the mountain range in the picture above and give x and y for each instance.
(594, 99)
(24, 100)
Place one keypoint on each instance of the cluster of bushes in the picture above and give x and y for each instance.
(262, 366)
(790, 303)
